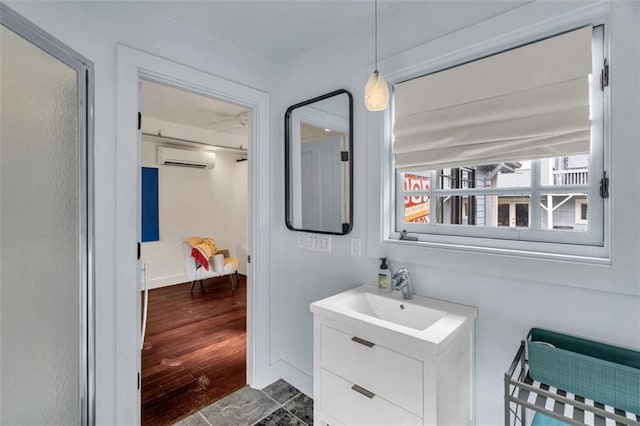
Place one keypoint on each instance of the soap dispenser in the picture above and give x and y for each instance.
(384, 276)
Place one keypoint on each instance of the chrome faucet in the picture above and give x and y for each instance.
(401, 281)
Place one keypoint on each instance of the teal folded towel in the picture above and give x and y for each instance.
(542, 420)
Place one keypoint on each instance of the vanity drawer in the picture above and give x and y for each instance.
(353, 408)
(389, 374)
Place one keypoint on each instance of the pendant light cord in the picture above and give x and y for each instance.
(376, 33)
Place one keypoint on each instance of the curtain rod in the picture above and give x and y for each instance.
(160, 135)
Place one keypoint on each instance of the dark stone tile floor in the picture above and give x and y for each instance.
(279, 404)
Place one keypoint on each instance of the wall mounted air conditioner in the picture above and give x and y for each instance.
(186, 158)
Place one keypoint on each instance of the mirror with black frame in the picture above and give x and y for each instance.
(319, 164)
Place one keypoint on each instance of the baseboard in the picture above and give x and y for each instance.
(298, 378)
(266, 375)
(165, 281)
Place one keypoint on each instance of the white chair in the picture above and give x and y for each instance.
(196, 272)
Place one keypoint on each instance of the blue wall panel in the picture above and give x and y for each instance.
(150, 215)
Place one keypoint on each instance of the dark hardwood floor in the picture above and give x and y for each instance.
(195, 348)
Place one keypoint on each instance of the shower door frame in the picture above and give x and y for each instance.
(86, 323)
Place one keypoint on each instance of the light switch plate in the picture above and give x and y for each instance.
(321, 243)
(355, 247)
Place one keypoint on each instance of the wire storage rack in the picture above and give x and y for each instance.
(521, 392)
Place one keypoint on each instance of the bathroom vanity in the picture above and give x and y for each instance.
(383, 360)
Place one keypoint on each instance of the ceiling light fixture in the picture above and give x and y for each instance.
(376, 91)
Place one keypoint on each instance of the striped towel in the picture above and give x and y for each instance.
(204, 250)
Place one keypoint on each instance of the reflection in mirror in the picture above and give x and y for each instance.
(318, 164)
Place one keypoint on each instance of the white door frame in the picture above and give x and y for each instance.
(134, 65)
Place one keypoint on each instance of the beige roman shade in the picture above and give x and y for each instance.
(527, 103)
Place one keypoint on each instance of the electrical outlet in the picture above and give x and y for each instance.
(302, 240)
(327, 245)
(355, 247)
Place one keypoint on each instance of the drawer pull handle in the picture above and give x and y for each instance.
(362, 342)
(363, 391)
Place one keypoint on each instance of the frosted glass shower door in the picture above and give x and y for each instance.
(43, 238)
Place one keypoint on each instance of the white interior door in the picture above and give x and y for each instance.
(43, 230)
(322, 199)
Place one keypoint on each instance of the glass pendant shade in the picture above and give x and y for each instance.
(376, 92)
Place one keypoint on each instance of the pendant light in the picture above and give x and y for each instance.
(376, 91)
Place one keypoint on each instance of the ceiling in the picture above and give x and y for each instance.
(280, 31)
(275, 30)
(311, 133)
(186, 108)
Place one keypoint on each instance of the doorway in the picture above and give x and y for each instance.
(194, 161)
(134, 65)
(513, 212)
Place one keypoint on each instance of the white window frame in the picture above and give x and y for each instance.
(591, 244)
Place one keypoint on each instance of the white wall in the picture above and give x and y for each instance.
(195, 202)
(94, 29)
(513, 294)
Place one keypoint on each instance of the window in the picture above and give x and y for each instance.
(517, 157)
(457, 209)
(581, 212)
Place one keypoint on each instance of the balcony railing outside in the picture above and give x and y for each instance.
(571, 177)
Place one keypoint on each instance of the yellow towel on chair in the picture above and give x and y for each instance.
(192, 241)
(203, 251)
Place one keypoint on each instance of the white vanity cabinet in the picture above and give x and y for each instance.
(369, 374)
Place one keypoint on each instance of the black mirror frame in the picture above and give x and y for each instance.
(346, 227)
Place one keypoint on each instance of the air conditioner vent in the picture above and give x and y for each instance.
(190, 165)
(185, 158)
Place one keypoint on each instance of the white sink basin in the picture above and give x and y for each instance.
(401, 312)
(429, 320)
